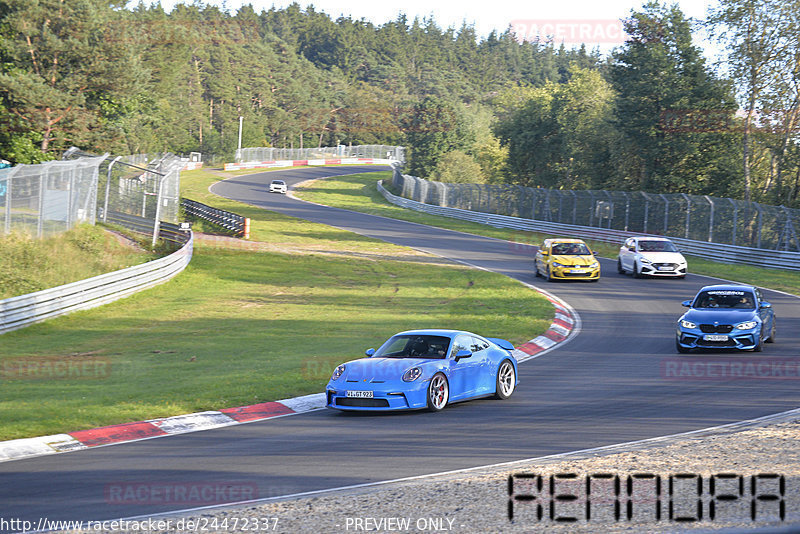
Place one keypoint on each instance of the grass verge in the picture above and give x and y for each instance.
(242, 326)
(360, 193)
(28, 264)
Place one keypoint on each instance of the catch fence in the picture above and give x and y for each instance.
(49, 198)
(258, 154)
(693, 217)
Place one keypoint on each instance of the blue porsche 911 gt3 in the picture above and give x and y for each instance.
(424, 369)
(726, 316)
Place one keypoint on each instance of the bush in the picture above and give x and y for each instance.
(458, 167)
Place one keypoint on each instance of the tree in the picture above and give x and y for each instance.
(656, 73)
(433, 128)
(63, 69)
(762, 38)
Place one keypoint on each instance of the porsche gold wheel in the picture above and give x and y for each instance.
(506, 380)
(438, 392)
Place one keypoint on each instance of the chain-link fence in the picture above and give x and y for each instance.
(143, 185)
(700, 218)
(49, 198)
(52, 197)
(257, 154)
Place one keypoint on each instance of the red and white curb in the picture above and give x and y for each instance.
(110, 435)
(306, 162)
(565, 323)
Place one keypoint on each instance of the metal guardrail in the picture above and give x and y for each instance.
(24, 310)
(166, 231)
(238, 224)
(775, 259)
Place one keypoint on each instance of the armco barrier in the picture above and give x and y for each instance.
(24, 310)
(713, 251)
(238, 224)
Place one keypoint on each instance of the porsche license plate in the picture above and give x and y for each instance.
(715, 337)
(360, 394)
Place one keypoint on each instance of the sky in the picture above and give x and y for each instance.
(570, 21)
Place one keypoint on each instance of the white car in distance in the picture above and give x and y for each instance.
(650, 256)
(277, 186)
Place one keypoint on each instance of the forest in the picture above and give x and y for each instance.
(654, 114)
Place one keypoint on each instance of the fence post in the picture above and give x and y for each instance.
(710, 220)
(108, 187)
(735, 219)
(40, 207)
(688, 214)
(627, 209)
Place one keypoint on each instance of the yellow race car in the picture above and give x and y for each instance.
(566, 259)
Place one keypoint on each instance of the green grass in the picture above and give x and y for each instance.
(360, 193)
(240, 327)
(28, 264)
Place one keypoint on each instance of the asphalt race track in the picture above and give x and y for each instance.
(609, 384)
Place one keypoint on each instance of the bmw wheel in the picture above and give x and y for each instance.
(771, 338)
(506, 380)
(760, 343)
(438, 392)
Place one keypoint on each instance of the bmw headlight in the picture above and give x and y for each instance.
(412, 374)
(747, 325)
(337, 372)
(688, 324)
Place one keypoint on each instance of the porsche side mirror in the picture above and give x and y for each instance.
(463, 354)
(369, 352)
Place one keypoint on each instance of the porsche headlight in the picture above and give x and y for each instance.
(688, 324)
(337, 372)
(412, 374)
(747, 325)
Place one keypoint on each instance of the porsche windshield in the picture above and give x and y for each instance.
(657, 246)
(571, 249)
(725, 299)
(414, 346)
